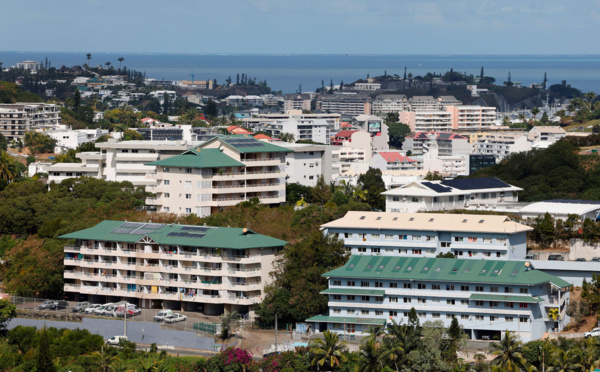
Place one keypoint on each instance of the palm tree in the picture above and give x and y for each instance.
(105, 357)
(565, 361)
(328, 352)
(230, 321)
(88, 57)
(535, 111)
(370, 355)
(107, 64)
(120, 59)
(590, 354)
(7, 172)
(508, 353)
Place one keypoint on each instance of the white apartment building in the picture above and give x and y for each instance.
(305, 163)
(170, 266)
(427, 196)
(345, 104)
(18, 118)
(261, 122)
(29, 65)
(300, 101)
(394, 161)
(389, 103)
(427, 120)
(120, 161)
(542, 137)
(447, 166)
(316, 130)
(367, 86)
(423, 103)
(472, 117)
(501, 145)
(67, 138)
(448, 143)
(221, 172)
(160, 95)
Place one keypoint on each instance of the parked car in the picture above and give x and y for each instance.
(90, 309)
(59, 305)
(161, 315)
(580, 259)
(555, 257)
(595, 259)
(80, 307)
(47, 305)
(593, 333)
(175, 318)
(132, 310)
(115, 340)
(108, 310)
(100, 309)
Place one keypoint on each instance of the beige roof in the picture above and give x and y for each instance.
(549, 129)
(428, 222)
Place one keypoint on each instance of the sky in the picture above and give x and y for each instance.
(302, 27)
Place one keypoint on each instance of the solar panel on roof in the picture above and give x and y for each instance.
(121, 231)
(436, 187)
(144, 231)
(475, 183)
(154, 226)
(195, 228)
(132, 225)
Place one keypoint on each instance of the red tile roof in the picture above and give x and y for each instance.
(236, 129)
(392, 157)
(262, 136)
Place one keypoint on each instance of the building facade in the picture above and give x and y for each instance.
(18, 118)
(448, 143)
(394, 161)
(299, 101)
(427, 120)
(472, 117)
(189, 268)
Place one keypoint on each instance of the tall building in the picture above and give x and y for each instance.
(221, 172)
(170, 266)
(18, 118)
(472, 117)
(300, 101)
(448, 143)
(422, 120)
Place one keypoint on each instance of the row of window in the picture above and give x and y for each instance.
(422, 300)
(470, 239)
(422, 314)
(435, 287)
(387, 250)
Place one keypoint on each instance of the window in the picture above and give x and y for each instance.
(421, 286)
(395, 198)
(389, 237)
(487, 254)
(478, 303)
(407, 285)
(188, 196)
(393, 285)
(414, 199)
(487, 240)
(445, 244)
(472, 239)
(167, 182)
(493, 303)
(350, 298)
(188, 183)
(464, 302)
(337, 282)
(364, 284)
(508, 319)
(509, 305)
(167, 170)
(449, 316)
(366, 298)
(346, 235)
(166, 209)
(501, 241)
(407, 300)
(416, 251)
(458, 238)
(362, 250)
(508, 290)
(523, 305)
(478, 288)
(188, 210)
(378, 299)
(464, 288)
(449, 287)
(403, 237)
(393, 299)
(493, 289)
(350, 283)
(166, 195)
(450, 301)
(393, 313)
(364, 312)
(188, 170)
(375, 236)
(523, 290)
(375, 250)
(337, 311)
(337, 297)
(403, 250)
(435, 300)
(435, 287)
(435, 315)
(479, 317)
(523, 320)
(430, 238)
(416, 237)
(421, 300)
(378, 284)
(379, 312)
(421, 315)
(493, 318)
(464, 316)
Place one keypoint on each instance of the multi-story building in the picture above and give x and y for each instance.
(367, 86)
(448, 143)
(389, 103)
(305, 163)
(29, 65)
(423, 103)
(427, 120)
(501, 145)
(542, 137)
(472, 117)
(487, 297)
(394, 161)
(299, 101)
(430, 234)
(18, 118)
(169, 266)
(67, 138)
(261, 122)
(316, 130)
(426, 196)
(120, 161)
(479, 161)
(221, 172)
(345, 104)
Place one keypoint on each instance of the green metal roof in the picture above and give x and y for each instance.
(444, 270)
(213, 237)
(353, 291)
(339, 319)
(261, 146)
(502, 298)
(199, 158)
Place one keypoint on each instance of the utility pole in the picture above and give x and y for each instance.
(276, 349)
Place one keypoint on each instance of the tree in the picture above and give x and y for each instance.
(565, 361)
(372, 183)
(370, 356)
(321, 193)
(7, 312)
(7, 168)
(105, 357)
(39, 142)
(535, 111)
(88, 57)
(230, 322)
(132, 135)
(398, 133)
(508, 353)
(210, 110)
(43, 357)
(3, 142)
(481, 75)
(328, 352)
(120, 59)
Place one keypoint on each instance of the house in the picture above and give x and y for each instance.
(394, 161)
(427, 196)
(487, 297)
(220, 172)
(170, 266)
(501, 145)
(236, 129)
(561, 209)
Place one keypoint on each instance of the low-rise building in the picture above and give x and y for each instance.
(315, 130)
(542, 137)
(501, 145)
(170, 266)
(367, 86)
(67, 138)
(487, 297)
(30, 65)
(394, 161)
(345, 104)
(426, 196)
(448, 143)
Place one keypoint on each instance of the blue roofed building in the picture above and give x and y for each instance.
(477, 193)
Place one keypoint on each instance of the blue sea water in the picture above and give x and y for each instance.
(288, 72)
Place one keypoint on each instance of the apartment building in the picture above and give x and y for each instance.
(448, 143)
(305, 163)
(389, 103)
(261, 122)
(30, 65)
(67, 138)
(170, 266)
(394, 161)
(316, 130)
(487, 297)
(426, 120)
(221, 172)
(345, 104)
(120, 161)
(18, 118)
(501, 145)
(367, 86)
(427, 196)
(423, 103)
(299, 101)
(472, 117)
(542, 137)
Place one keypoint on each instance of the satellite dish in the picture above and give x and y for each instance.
(221, 148)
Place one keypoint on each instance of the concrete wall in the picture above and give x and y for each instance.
(139, 332)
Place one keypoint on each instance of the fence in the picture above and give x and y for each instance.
(209, 328)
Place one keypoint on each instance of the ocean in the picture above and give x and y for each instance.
(288, 72)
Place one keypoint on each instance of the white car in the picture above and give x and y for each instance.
(115, 340)
(593, 333)
(161, 315)
(91, 309)
(101, 309)
(175, 318)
